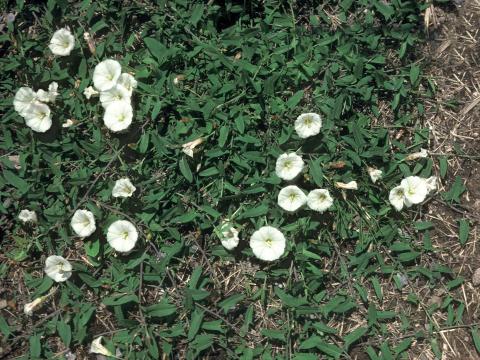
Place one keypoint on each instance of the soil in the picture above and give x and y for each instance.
(453, 52)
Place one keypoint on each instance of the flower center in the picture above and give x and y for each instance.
(125, 235)
(287, 164)
(292, 197)
(121, 117)
(322, 197)
(308, 121)
(268, 242)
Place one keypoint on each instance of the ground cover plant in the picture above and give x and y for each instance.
(219, 92)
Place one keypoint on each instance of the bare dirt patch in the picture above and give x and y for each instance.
(454, 119)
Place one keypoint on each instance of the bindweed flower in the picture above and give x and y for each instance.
(28, 216)
(268, 243)
(97, 348)
(319, 200)
(228, 235)
(29, 308)
(90, 42)
(308, 124)
(352, 185)
(83, 223)
(415, 190)
(122, 235)
(375, 174)
(123, 188)
(431, 183)
(68, 123)
(24, 98)
(288, 166)
(106, 74)
(58, 268)
(37, 117)
(396, 197)
(118, 116)
(188, 148)
(115, 94)
(291, 198)
(128, 82)
(418, 155)
(89, 92)
(50, 95)
(62, 42)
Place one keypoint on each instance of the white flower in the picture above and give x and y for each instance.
(50, 95)
(431, 183)
(375, 174)
(62, 42)
(291, 198)
(58, 268)
(308, 124)
(83, 223)
(97, 348)
(122, 235)
(29, 308)
(415, 189)
(28, 216)
(116, 93)
(128, 82)
(118, 116)
(288, 166)
(267, 243)
(396, 197)
(188, 148)
(228, 235)
(418, 155)
(352, 185)
(123, 188)
(68, 123)
(106, 74)
(89, 92)
(319, 200)
(37, 117)
(24, 97)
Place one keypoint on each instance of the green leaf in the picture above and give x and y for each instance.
(354, 336)
(443, 164)
(120, 299)
(16, 181)
(289, 300)
(35, 346)
(161, 310)
(274, 334)
(457, 189)
(295, 99)
(195, 324)
(386, 10)
(185, 169)
(230, 302)
(476, 338)
(156, 48)
(464, 230)
(330, 349)
(196, 14)
(414, 73)
(64, 332)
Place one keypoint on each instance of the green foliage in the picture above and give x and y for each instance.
(236, 75)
